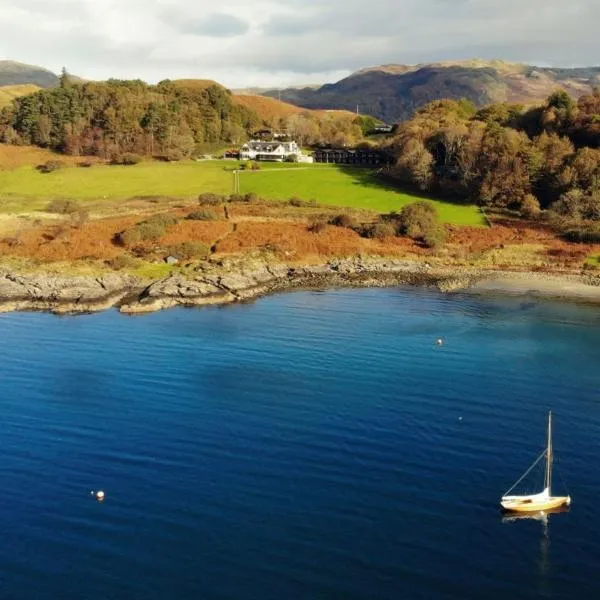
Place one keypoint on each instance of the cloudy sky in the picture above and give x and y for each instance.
(280, 42)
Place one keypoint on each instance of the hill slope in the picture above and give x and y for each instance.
(10, 92)
(268, 108)
(395, 92)
(15, 73)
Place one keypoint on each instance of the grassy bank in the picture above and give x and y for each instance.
(24, 189)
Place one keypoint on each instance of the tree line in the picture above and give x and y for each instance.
(171, 119)
(507, 156)
(116, 117)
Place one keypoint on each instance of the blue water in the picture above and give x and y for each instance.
(309, 445)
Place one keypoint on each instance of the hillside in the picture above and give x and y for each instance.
(269, 108)
(15, 73)
(9, 92)
(394, 92)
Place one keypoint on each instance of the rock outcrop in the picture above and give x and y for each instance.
(240, 279)
(63, 294)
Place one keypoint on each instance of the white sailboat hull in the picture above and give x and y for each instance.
(534, 502)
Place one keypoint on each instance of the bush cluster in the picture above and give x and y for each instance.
(379, 231)
(317, 225)
(123, 261)
(343, 220)
(209, 199)
(150, 230)
(251, 165)
(420, 222)
(127, 158)
(583, 235)
(63, 206)
(249, 198)
(299, 203)
(50, 166)
(188, 250)
(202, 215)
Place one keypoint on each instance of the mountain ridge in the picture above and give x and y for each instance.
(393, 92)
(18, 73)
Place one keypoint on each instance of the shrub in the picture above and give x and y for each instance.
(255, 166)
(150, 230)
(530, 207)
(51, 166)
(435, 236)
(129, 237)
(86, 164)
(298, 202)
(128, 158)
(419, 221)
(317, 225)
(236, 198)
(123, 261)
(63, 207)
(583, 235)
(188, 250)
(343, 220)
(202, 215)
(291, 158)
(162, 219)
(174, 155)
(417, 218)
(208, 199)
(382, 231)
(251, 197)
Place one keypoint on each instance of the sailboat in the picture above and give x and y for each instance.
(544, 500)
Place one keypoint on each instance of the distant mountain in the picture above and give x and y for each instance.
(394, 92)
(15, 73)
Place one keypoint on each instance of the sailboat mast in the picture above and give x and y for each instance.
(549, 455)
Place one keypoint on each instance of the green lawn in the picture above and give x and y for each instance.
(347, 186)
(25, 189)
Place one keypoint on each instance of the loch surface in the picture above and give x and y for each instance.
(307, 446)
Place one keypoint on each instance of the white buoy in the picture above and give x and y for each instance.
(100, 495)
(460, 418)
(440, 341)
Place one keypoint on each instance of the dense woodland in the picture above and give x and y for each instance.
(172, 119)
(508, 157)
(116, 117)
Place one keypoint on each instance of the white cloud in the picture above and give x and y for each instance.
(270, 42)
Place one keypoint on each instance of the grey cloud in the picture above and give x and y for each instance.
(268, 38)
(218, 25)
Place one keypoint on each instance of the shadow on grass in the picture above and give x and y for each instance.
(369, 177)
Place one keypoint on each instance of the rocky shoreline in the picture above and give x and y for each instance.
(243, 279)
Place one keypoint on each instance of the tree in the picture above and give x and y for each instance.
(65, 80)
(415, 164)
(530, 207)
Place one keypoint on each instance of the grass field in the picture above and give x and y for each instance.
(347, 186)
(24, 189)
